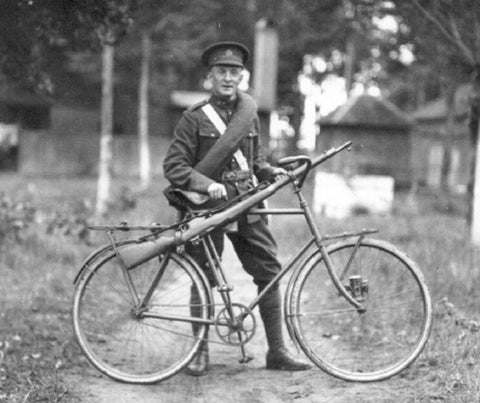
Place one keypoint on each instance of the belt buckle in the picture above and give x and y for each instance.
(230, 176)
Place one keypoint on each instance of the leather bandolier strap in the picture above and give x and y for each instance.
(238, 128)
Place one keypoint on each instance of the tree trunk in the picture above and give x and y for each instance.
(144, 147)
(473, 189)
(449, 136)
(106, 136)
(475, 222)
(349, 62)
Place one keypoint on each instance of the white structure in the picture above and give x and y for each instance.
(8, 135)
(337, 197)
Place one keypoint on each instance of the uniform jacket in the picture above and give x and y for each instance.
(195, 134)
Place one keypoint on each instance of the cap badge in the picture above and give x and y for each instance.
(229, 52)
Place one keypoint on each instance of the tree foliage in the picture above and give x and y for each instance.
(36, 34)
(31, 31)
(185, 28)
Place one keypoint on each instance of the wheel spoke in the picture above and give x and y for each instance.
(362, 345)
(123, 344)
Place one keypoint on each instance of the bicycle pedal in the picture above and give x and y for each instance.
(245, 359)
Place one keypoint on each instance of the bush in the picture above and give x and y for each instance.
(15, 218)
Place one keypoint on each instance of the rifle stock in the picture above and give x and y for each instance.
(134, 255)
(137, 254)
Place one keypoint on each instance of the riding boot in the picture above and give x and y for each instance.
(199, 364)
(278, 357)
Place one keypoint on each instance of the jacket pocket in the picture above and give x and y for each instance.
(206, 139)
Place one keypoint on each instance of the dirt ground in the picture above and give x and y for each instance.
(229, 381)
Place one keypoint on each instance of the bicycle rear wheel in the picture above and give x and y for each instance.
(357, 345)
(130, 347)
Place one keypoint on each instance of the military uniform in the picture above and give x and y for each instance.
(195, 134)
(195, 137)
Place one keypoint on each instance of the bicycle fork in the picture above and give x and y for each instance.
(357, 288)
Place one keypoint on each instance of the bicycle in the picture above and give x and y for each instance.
(357, 307)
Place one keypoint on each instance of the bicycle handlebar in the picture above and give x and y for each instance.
(307, 163)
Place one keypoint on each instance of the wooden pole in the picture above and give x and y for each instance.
(266, 65)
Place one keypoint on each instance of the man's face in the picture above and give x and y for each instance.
(225, 80)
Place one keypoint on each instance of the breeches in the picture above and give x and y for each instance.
(254, 246)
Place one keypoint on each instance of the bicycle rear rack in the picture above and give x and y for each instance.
(348, 234)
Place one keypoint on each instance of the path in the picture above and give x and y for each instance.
(228, 381)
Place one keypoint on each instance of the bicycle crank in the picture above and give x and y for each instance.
(235, 325)
(245, 357)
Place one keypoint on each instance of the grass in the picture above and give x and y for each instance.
(37, 270)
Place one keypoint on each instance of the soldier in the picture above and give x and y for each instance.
(216, 150)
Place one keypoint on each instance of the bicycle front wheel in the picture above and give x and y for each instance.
(132, 345)
(368, 344)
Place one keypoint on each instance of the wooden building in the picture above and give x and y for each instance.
(430, 142)
(380, 135)
(61, 135)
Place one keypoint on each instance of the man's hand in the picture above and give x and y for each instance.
(217, 191)
(278, 173)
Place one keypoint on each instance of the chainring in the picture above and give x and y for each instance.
(238, 330)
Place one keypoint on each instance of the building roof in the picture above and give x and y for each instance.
(437, 109)
(367, 110)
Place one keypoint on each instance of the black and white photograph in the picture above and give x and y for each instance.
(239, 201)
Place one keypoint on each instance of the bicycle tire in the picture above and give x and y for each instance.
(354, 346)
(128, 348)
(98, 254)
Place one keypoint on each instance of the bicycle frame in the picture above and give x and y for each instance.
(368, 274)
(317, 239)
(200, 228)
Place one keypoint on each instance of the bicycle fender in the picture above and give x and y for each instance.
(287, 303)
(96, 254)
(287, 306)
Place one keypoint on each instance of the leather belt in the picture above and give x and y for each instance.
(235, 176)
